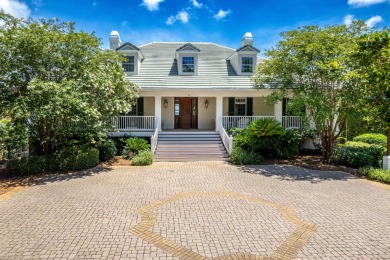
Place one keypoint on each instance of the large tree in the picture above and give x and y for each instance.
(372, 61)
(312, 66)
(57, 84)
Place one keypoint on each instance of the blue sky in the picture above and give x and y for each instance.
(220, 21)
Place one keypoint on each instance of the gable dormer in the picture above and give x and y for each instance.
(244, 59)
(134, 58)
(187, 59)
(133, 54)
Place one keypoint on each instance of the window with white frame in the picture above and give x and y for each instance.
(188, 64)
(240, 107)
(128, 65)
(247, 64)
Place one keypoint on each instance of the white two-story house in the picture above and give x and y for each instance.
(194, 85)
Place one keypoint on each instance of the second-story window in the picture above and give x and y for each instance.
(247, 64)
(188, 64)
(128, 65)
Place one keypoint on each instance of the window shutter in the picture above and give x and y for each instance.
(231, 106)
(284, 107)
(140, 105)
(249, 106)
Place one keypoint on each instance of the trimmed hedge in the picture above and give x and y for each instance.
(241, 156)
(357, 154)
(376, 174)
(71, 158)
(144, 157)
(377, 139)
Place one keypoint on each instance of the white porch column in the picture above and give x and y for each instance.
(278, 111)
(157, 111)
(218, 111)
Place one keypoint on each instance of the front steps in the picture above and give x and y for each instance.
(190, 146)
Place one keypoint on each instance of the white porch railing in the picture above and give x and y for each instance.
(291, 122)
(123, 123)
(240, 121)
(154, 138)
(226, 139)
(244, 121)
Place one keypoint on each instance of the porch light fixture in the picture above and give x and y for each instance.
(206, 103)
(166, 103)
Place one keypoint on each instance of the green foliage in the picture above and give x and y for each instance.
(289, 144)
(268, 138)
(234, 131)
(241, 156)
(120, 144)
(135, 145)
(371, 62)
(107, 150)
(242, 140)
(312, 66)
(57, 84)
(357, 154)
(144, 157)
(70, 158)
(377, 139)
(265, 127)
(376, 174)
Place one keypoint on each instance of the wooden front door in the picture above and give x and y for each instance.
(186, 115)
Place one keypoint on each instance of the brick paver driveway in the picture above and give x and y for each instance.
(200, 210)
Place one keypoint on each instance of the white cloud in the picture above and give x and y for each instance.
(152, 5)
(171, 20)
(348, 19)
(124, 23)
(182, 16)
(373, 21)
(362, 3)
(221, 14)
(15, 8)
(196, 4)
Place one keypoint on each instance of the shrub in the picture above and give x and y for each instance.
(376, 174)
(120, 144)
(69, 158)
(242, 140)
(378, 139)
(265, 136)
(75, 158)
(357, 154)
(107, 150)
(289, 144)
(135, 145)
(235, 131)
(144, 157)
(241, 156)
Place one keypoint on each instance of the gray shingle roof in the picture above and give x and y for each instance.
(159, 68)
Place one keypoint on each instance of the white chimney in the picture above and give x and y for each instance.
(247, 39)
(115, 40)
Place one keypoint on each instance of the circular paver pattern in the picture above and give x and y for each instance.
(212, 209)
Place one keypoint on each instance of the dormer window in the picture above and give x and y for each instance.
(187, 60)
(188, 64)
(128, 65)
(247, 64)
(133, 58)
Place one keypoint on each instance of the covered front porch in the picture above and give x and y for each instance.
(209, 111)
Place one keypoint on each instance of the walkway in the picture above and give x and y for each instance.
(198, 210)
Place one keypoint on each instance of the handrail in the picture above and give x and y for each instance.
(154, 137)
(226, 139)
